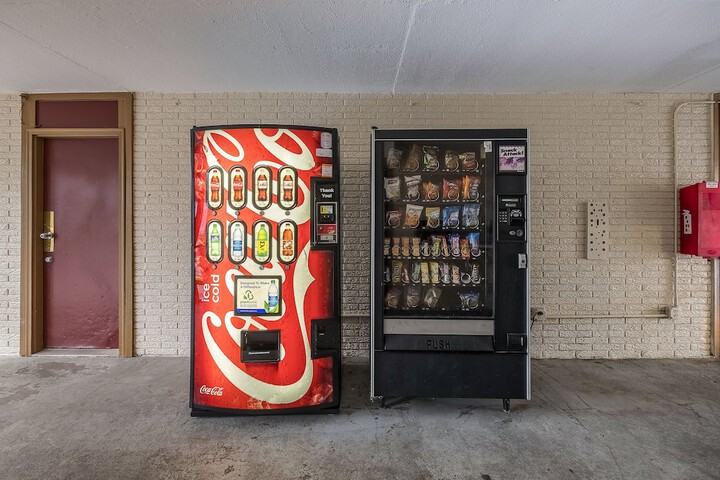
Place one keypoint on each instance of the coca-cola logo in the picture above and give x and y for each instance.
(216, 391)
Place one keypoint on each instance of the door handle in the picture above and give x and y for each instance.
(47, 235)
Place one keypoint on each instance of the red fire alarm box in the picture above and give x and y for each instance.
(700, 220)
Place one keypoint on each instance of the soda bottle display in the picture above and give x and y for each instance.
(237, 187)
(287, 184)
(237, 245)
(215, 243)
(287, 243)
(273, 297)
(261, 244)
(214, 188)
(262, 188)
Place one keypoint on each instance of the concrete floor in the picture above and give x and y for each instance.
(106, 418)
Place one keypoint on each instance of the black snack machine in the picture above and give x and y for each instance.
(450, 284)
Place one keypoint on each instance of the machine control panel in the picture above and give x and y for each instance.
(511, 218)
(325, 213)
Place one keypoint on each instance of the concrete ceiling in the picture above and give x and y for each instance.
(498, 46)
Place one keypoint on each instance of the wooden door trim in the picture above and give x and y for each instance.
(31, 281)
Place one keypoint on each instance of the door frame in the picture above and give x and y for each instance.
(31, 271)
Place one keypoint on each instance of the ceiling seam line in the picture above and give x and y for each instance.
(109, 82)
(410, 23)
(712, 69)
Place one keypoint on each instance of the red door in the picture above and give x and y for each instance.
(81, 280)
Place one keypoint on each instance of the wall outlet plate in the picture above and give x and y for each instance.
(598, 231)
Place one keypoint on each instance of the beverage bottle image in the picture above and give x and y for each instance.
(261, 242)
(287, 188)
(237, 186)
(273, 297)
(214, 188)
(236, 250)
(214, 242)
(287, 243)
(262, 188)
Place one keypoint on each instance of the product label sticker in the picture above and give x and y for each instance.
(327, 170)
(512, 158)
(258, 295)
(327, 233)
(326, 140)
(323, 152)
(711, 184)
(487, 146)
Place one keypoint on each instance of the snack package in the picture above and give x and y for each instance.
(445, 272)
(468, 161)
(395, 250)
(432, 295)
(445, 250)
(392, 297)
(386, 246)
(471, 187)
(455, 274)
(415, 273)
(392, 188)
(465, 272)
(424, 272)
(451, 216)
(412, 187)
(396, 273)
(469, 300)
(454, 241)
(433, 217)
(412, 296)
(430, 160)
(393, 158)
(471, 215)
(474, 241)
(436, 245)
(430, 191)
(405, 273)
(434, 272)
(452, 161)
(426, 247)
(393, 218)
(405, 246)
(412, 215)
(475, 274)
(386, 275)
(464, 248)
(412, 163)
(451, 189)
(415, 247)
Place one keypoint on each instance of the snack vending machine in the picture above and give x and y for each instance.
(450, 284)
(266, 266)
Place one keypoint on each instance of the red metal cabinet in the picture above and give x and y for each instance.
(700, 220)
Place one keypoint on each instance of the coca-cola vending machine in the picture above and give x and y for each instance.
(266, 266)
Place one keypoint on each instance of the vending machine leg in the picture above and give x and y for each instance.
(506, 405)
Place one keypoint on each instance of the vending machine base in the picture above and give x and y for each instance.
(451, 375)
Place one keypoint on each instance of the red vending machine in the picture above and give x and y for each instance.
(266, 267)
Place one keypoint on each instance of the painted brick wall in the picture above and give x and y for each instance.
(611, 147)
(10, 224)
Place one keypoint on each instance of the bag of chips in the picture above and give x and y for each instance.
(393, 159)
(432, 296)
(471, 187)
(392, 297)
(468, 161)
(451, 216)
(412, 163)
(392, 188)
(412, 296)
(452, 161)
(433, 217)
(412, 187)
(412, 215)
(430, 191)
(430, 160)
(451, 189)
(469, 300)
(393, 218)
(471, 215)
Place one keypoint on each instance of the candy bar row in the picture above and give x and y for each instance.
(435, 273)
(452, 245)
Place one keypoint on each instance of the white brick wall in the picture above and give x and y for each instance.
(610, 147)
(10, 224)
